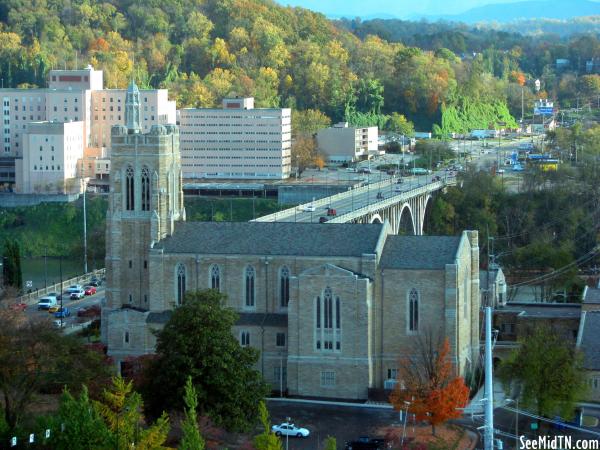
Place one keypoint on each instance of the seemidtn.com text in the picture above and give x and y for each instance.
(558, 443)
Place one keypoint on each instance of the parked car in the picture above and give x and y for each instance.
(89, 290)
(76, 295)
(289, 429)
(62, 312)
(365, 443)
(18, 306)
(46, 302)
(331, 212)
(90, 311)
(323, 219)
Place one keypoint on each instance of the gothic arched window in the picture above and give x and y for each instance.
(328, 310)
(318, 321)
(145, 189)
(129, 189)
(284, 287)
(180, 279)
(413, 310)
(249, 286)
(215, 277)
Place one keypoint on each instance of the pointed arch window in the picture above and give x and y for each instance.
(180, 283)
(284, 287)
(129, 189)
(249, 286)
(215, 278)
(145, 189)
(413, 310)
(328, 315)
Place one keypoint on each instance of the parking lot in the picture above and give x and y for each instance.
(345, 423)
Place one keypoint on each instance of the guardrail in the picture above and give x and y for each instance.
(32, 297)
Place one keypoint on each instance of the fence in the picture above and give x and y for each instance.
(33, 296)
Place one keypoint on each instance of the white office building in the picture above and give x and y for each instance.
(342, 143)
(235, 142)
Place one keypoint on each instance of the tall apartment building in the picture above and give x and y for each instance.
(236, 142)
(74, 96)
(342, 143)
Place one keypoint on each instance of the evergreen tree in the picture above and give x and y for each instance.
(11, 268)
(191, 440)
(266, 440)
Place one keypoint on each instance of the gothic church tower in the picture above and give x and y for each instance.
(145, 202)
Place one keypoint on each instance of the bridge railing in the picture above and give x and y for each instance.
(33, 296)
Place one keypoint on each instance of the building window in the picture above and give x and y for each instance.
(145, 189)
(126, 337)
(215, 278)
(249, 286)
(180, 283)
(392, 374)
(145, 264)
(280, 340)
(413, 310)
(130, 264)
(328, 314)
(284, 287)
(327, 378)
(129, 191)
(245, 338)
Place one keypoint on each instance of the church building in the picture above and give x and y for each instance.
(331, 307)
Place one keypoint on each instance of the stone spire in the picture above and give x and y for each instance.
(132, 109)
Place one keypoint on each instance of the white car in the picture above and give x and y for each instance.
(500, 171)
(308, 208)
(74, 288)
(77, 295)
(289, 429)
(398, 189)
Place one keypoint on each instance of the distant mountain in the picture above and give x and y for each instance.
(534, 9)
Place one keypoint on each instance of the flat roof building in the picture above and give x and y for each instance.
(343, 143)
(236, 142)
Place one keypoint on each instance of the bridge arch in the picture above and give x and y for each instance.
(375, 218)
(406, 221)
(426, 219)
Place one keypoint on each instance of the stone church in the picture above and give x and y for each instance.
(331, 307)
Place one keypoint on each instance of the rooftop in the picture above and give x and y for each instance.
(589, 340)
(272, 238)
(419, 252)
(591, 295)
(543, 310)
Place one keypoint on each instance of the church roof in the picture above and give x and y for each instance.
(419, 252)
(589, 340)
(272, 238)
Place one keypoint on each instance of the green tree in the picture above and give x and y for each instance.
(330, 443)
(11, 268)
(121, 408)
(399, 124)
(266, 440)
(191, 439)
(197, 342)
(308, 122)
(81, 424)
(549, 371)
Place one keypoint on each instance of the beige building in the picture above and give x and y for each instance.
(342, 143)
(51, 153)
(331, 307)
(236, 142)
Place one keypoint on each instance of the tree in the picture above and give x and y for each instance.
(266, 440)
(82, 426)
(191, 439)
(303, 153)
(427, 380)
(35, 358)
(548, 370)
(307, 123)
(121, 408)
(400, 125)
(197, 342)
(330, 443)
(11, 268)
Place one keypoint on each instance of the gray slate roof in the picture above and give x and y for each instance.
(272, 238)
(590, 341)
(592, 295)
(419, 252)
(542, 310)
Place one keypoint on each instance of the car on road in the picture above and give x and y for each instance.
(46, 302)
(289, 429)
(351, 169)
(52, 294)
(74, 288)
(18, 306)
(95, 282)
(76, 295)
(90, 311)
(366, 443)
(62, 312)
(89, 290)
(364, 170)
(308, 208)
(59, 323)
(380, 196)
(400, 181)
(53, 309)
(331, 212)
(398, 189)
(323, 219)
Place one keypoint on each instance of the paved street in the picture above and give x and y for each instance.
(342, 422)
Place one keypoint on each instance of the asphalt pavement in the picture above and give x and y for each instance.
(74, 305)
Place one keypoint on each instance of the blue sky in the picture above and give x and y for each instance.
(398, 8)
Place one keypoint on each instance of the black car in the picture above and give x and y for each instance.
(323, 219)
(366, 443)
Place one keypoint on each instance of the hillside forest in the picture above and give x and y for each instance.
(448, 78)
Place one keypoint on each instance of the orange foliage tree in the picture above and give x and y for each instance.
(427, 382)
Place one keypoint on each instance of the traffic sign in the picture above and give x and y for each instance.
(13, 441)
(543, 110)
(29, 284)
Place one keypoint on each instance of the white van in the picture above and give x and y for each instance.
(46, 302)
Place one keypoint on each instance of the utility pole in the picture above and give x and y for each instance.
(62, 294)
(85, 266)
(489, 385)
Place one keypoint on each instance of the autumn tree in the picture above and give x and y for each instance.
(191, 438)
(548, 370)
(427, 380)
(267, 440)
(304, 152)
